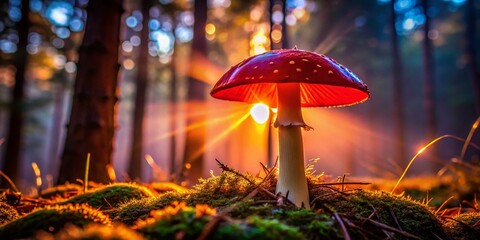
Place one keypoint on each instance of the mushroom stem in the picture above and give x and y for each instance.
(291, 177)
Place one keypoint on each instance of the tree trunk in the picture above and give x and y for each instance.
(428, 76)
(284, 41)
(173, 111)
(136, 158)
(92, 123)
(193, 159)
(398, 107)
(13, 144)
(470, 51)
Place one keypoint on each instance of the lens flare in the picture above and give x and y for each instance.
(260, 113)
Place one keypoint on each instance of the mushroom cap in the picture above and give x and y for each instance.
(323, 81)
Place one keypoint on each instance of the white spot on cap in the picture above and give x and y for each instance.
(275, 71)
(292, 62)
(255, 67)
(271, 63)
(318, 65)
(247, 78)
(307, 78)
(261, 76)
(298, 69)
(304, 59)
(330, 72)
(315, 70)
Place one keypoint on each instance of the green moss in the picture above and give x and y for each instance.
(222, 190)
(413, 217)
(163, 187)
(52, 219)
(111, 196)
(92, 231)
(62, 191)
(218, 191)
(257, 228)
(182, 221)
(228, 189)
(134, 210)
(172, 222)
(7, 213)
(464, 226)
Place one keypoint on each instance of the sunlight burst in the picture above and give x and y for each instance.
(260, 113)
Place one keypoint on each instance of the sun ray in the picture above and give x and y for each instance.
(190, 127)
(220, 136)
(344, 27)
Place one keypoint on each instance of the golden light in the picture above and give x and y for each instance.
(260, 38)
(299, 12)
(258, 43)
(111, 173)
(421, 150)
(260, 113)
(38, 175)
(150, 160)
(210, 29)
(276, 35)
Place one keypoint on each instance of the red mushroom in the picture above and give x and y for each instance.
(289, 80)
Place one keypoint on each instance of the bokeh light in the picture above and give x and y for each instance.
(184, 34)
(131, 21)
(59, 13)
(128, 64)
(164, 41)
(210, 29)
(70, 67)
(76, 25)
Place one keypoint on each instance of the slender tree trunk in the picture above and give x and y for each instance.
(193, 160)
(92, 122)
(470, 51)
(428, 76)
(13, 144)
(136, 158)
(273, 46)
(173, 110)
(284, 41)
(398, 108)
(429, 85)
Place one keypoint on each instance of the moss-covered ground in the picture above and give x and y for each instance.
(232, 205)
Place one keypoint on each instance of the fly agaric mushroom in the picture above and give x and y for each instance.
(289, 80)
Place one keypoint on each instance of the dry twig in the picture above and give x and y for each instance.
(390, 229)
(394, 218)
(342, 226)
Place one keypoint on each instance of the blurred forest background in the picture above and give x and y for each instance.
(59, 71)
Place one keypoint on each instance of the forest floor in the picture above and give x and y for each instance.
(235, 205)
